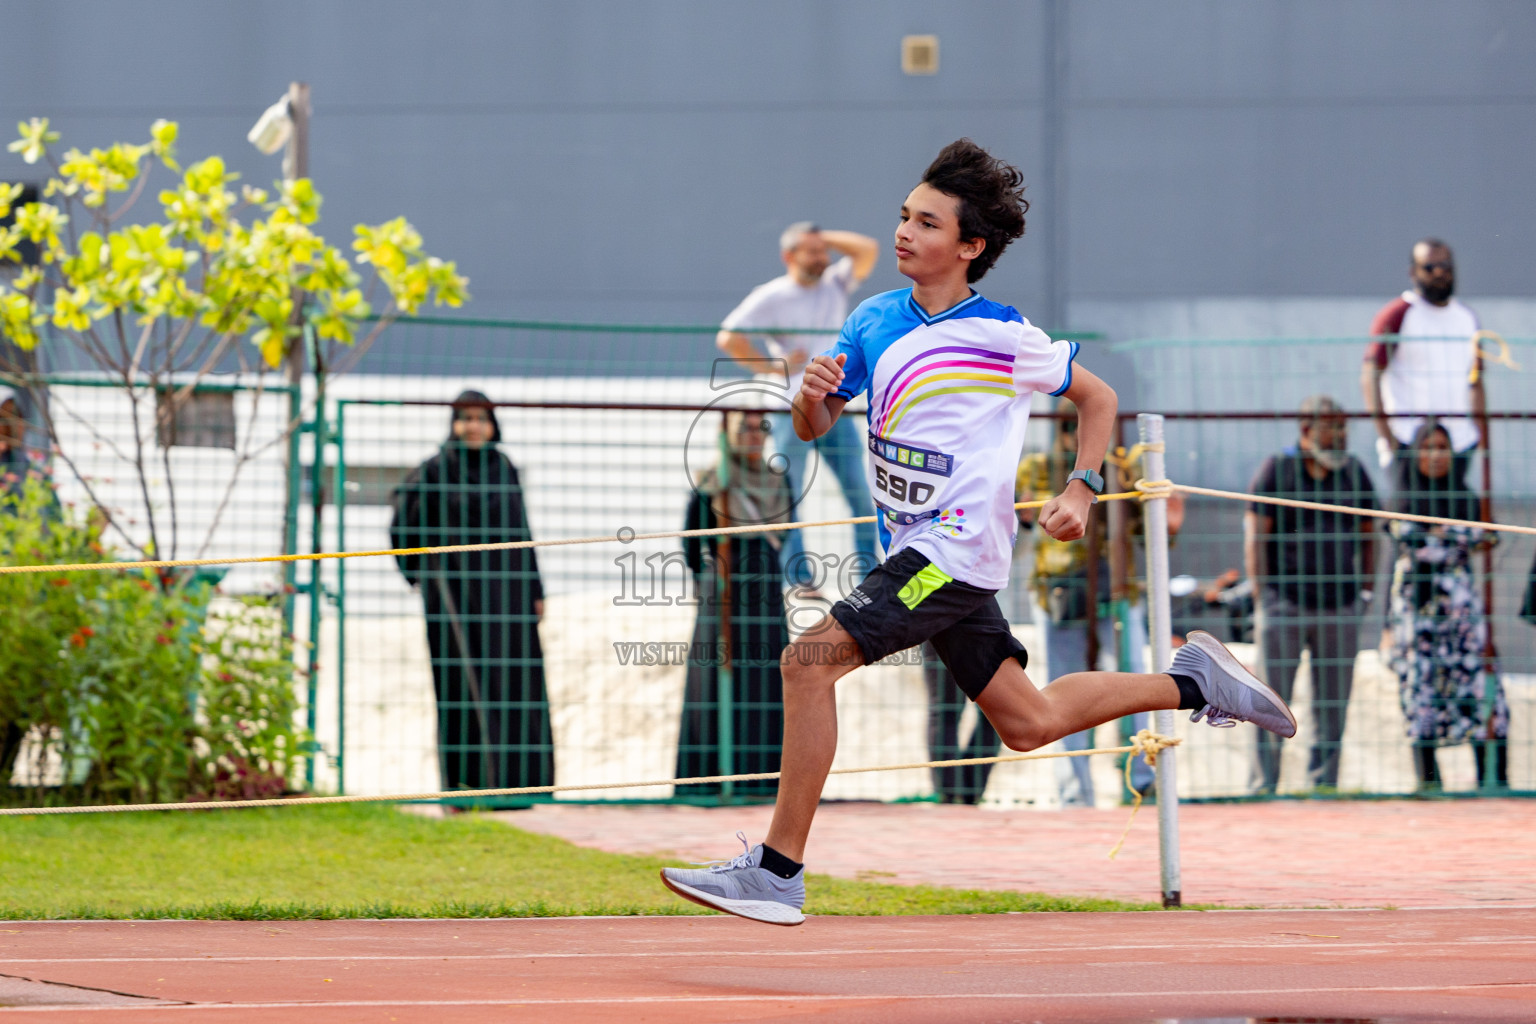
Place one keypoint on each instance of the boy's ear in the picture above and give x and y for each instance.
(972, 248)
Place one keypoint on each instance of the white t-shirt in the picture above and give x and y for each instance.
(1428, 367)
(948, 403)
(783, 304)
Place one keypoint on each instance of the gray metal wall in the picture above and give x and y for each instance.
(634, 160)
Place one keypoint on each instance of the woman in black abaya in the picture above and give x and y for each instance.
(742, 490)
(482, 607)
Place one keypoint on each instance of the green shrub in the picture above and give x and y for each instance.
(133, 685)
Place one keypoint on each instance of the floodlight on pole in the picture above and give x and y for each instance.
(285, 125)
(273, 128)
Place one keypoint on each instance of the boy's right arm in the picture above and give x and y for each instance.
(817, 406)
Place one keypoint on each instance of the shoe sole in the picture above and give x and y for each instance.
(753, 910)
(1217, 652)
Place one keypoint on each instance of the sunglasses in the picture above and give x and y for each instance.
(1430, 268)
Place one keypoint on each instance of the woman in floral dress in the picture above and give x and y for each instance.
(1439, 628)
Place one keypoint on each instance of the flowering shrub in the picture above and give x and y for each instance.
(129, 686)
(160, 286)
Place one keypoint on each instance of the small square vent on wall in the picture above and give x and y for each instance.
(920, 55)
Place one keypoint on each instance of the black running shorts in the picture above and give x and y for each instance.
(908, 599)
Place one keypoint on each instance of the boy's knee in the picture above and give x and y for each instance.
(808, 665)
(1023, 735)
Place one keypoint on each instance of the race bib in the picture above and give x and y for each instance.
(905, 480)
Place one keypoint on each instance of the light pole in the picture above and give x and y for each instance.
(285, 125)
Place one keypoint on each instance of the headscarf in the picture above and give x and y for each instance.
(469, 465)
(748, 495)
(1447, 496)
(475, 400)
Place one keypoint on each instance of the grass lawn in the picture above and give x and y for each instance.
(375, 861)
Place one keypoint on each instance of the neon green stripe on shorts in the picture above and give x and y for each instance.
(923, 582)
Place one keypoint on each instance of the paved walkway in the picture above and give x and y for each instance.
(1407, 853)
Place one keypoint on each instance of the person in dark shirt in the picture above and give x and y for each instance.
(1313, 571)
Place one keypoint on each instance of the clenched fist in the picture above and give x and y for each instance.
(1065, 517)
(822, 376)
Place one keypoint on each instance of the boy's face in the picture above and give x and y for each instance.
(929, 248)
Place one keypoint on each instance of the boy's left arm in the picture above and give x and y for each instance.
(1065, 517)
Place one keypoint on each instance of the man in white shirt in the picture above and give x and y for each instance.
(797, 316)
(1424, 362)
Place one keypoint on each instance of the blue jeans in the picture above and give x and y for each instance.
(842, 450)
(1066, 650)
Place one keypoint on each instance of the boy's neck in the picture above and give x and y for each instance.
(937, 296)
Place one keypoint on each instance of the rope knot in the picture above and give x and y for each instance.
(1152, 490)
(1147, 743)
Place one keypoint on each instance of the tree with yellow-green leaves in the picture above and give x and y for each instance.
(219, 275)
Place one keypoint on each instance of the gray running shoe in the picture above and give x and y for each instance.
(742, 888)
(1232, 693)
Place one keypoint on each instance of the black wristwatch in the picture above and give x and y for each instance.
(1094, 481)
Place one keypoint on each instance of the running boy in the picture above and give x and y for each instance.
(949, 376)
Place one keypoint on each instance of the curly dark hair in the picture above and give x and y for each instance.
(991, 195)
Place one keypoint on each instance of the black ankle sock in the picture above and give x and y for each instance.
(779, 864)
(1189, 693)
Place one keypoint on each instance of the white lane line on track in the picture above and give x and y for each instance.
(1214, 947)
(786, 998)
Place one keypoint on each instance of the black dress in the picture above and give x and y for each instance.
(487, 664)
(758, 636)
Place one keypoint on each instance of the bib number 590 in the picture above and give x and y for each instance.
(901, 489)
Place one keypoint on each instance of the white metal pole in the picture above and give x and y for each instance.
(1160, 618)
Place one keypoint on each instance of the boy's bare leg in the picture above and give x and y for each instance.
(1028, 718)
(811, 666)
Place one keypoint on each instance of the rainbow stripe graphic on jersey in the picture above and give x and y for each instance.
(947, 370)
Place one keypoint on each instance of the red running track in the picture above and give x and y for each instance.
(1383, 966)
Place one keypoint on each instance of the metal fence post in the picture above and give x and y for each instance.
(725, 681)
(340, 498)
(316, 586)
(1150, 428)
(291, 473)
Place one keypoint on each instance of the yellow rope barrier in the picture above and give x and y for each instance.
(1144, 742)
(1348, 509)
(1126, 459)
(1502, 357)
(720, 531)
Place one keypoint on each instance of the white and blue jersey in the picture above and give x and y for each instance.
(948, 403)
